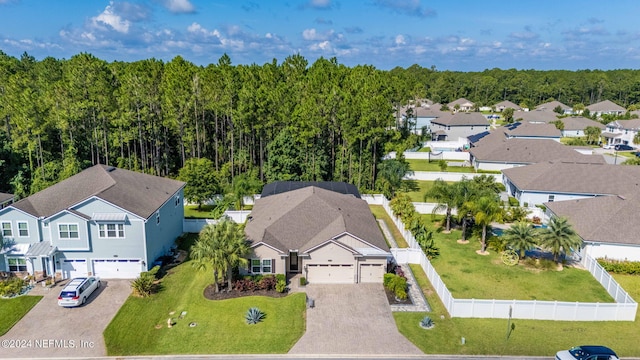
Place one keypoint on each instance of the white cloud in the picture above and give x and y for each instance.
(400, 40)
(179, 6)
(313, 35)
(109, 18)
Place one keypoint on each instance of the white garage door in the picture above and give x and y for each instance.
(117, 268)
(371, 273)
(73, 268)
(330, 274)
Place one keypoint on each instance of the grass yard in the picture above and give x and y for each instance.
(379, 213)
(416, 189)
(221, 328)
(425, 165)
(529, 337)
(205, 212)
(12, 310)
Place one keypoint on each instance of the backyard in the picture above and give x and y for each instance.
(140, 327)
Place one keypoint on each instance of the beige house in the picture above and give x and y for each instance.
(462, 105)
(326, 234)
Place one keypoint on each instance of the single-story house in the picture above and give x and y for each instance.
(327, 236)
(104, 221)
(463, 105)
(5, 200)
(534, 131)
(497, 152)
(621, 132)
(574, 126)
(562, 180)
(552, 105)
(506, 104)
(606, 107)
(608, 225)
(458, 125)
(536, 116)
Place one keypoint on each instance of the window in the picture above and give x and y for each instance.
(6, 229)
(157, 218)
(17, 264)
(177, 200)
(68, 231)
(111, 230)
(261, 266)
(23, 229)
(551, 198)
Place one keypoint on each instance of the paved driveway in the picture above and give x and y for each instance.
(49, 330)
(351, 319)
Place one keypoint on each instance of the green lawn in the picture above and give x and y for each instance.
(192, 212)
(220, 329)
(425, 165)
(530, 337)
(12, 310)
(379, 213)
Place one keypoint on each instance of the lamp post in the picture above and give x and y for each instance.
(615, 157)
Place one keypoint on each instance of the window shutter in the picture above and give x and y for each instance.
(273, 266)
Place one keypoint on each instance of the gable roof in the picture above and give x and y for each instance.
(632, 124)
(606, 219)
(462, 119)
(580, 123)
(605, 105)
(306, 217)
(552, 105)
(576, 178)
(497, 148)
(139, 193)
(525, 129)
(507, 104)
(538, 116)
(461, 102)
(4, 197)
(278, 187)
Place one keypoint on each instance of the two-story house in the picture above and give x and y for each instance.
(621, 132)
(103, 221)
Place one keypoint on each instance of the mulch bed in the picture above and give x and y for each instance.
(391, 297)
(209, 293)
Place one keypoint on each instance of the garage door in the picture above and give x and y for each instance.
(371, 273)
(117, 268)
(330, 274)
(73, 268)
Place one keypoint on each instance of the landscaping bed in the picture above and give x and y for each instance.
(223, 294)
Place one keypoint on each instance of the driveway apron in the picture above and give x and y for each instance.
(351, 319)
(49, 330)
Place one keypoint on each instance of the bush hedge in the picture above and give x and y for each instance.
(620, 266)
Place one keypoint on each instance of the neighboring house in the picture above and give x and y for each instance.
(606, 107)
(621, 132)
(561, 180)
(608, 225)
(497, 152)
(104, 221)
(535, 116)
(327, 236)
(5, 200)
(552, 105)
(458, 125)
(464, 105)
(506, 104)
(574, 126)
(534, 131)
(423, 115)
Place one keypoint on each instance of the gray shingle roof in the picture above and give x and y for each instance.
(507, 104)
(580, 123)
(521, 129)
(461, 101)
(632, 124)
(545, 116)
(606, 105)
(552, 105)
(462, 119)
(606, 219)
(307, 217)
(496, 148)
(139, 193)
(577, 178)
(4, 197)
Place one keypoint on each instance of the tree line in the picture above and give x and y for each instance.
(277, 121)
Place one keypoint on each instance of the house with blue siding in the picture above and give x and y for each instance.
(104, 221)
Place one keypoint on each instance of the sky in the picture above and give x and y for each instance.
(462, 35)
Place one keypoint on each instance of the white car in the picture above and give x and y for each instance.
(77, 291)
(587, 352)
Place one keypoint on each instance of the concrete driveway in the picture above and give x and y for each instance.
(351, 319)
(49, 330)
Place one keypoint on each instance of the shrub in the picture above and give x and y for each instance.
(396, 284)
(281, 277)
(400, 272)
(11, 287)
(386, 279)
(513, 201)
(620, 266)
(401, 294)
(281, 286)
(254, 316)
(267, 283)
(246, 284)
(143, 284)
(303, 281)
(426, 322)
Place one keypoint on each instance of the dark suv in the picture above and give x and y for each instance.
(587, 352)
(621, 147)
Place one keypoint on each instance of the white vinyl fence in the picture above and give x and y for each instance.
(446, 176)
(434, 156)
(624, 309)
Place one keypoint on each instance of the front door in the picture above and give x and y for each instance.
(293, 262)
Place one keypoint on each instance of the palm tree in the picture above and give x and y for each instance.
(464, 191)
(486, 209)
(559, 237)
(223, 247)
(521, 237)
(445, 195)
(390, 175)
(244, 185)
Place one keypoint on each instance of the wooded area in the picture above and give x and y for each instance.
(277, 121)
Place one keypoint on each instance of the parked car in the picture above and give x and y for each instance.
(621, 147)
(587, 352)
(77, 291)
